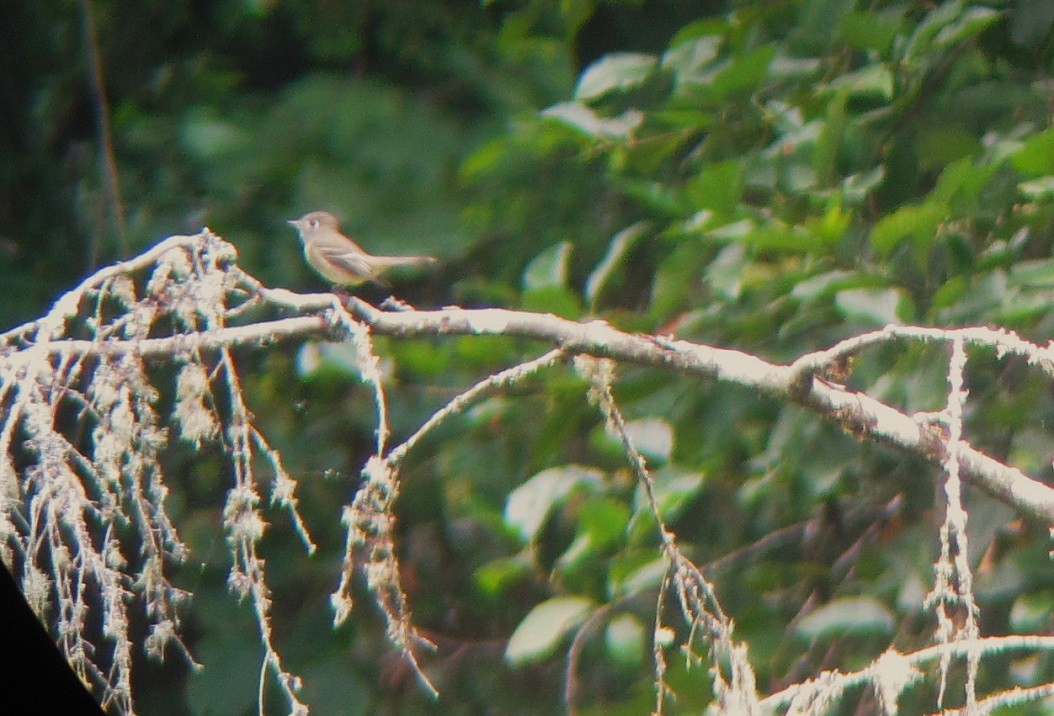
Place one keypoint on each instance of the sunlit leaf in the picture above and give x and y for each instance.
(724, 275)
(691, 55)
(824, 284)
(673, 489)
(1035, 274)
(872, 80)
(652, 436)
(644, 575)
(548, 268)
(874, 306)
(615, 71)
(847, 616)
(1031, 612)
(856, 187)
(1038, 189)
(589, 123)
(622, 243)
(972, 22)
(1036, 156)
(626, 639)
(541, 631)
(530, 504)
(962, 180)
(922, 36)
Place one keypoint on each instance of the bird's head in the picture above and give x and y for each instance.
(310, 224)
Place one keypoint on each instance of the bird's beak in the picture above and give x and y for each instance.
(293, 222)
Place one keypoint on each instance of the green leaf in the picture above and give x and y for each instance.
(847, 616)
(558, 300)
(1035, 158)
(497, 575)
(714, 26)
(548, 268)
(674, 489)
(626, 640)
(652, 436)
(719, 186)
(541, 631)
(869, 30)
(724, 275)
(824, 284)
(876, 306)
(603, 519)
(869, 81)
(786, 67)
(1041, 189)
(744, 72)
(829, 228)
(676, 276)
(530, 504)
(615, 71)
(950, 293)
(1037, 274)
(601, 522)
(574, 12)
(962, 181)
(780, 236)
(654, 195)
(912, 221)
(424, 357)
(971, 23)
(856, 187)
(921, 40)
(637, 573)
(941, 145)
(1031, 611)
(620, 246)
(828, 144)
(688, 58)
(736, 231)
(583, 119)
(986, 293)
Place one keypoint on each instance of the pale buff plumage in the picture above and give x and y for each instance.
(340, 259)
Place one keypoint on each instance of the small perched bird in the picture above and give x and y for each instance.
(340, 259)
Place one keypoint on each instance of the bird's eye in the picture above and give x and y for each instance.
(313, 223)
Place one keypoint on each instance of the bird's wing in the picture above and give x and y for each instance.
(351, 261)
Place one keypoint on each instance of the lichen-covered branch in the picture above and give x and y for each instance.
(83, 369)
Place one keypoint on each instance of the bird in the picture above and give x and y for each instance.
(340, 259)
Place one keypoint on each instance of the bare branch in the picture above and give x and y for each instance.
(50, 513)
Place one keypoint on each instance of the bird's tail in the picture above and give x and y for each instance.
(380, 263)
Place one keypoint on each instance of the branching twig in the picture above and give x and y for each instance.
(49, 511)
(860, 414)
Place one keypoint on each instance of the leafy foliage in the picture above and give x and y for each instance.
(770, 176)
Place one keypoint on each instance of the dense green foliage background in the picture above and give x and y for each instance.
(770, 176)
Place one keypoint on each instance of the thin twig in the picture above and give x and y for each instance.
(102, 125)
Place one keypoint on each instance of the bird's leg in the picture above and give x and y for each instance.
(342, 295)
(394, 304)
